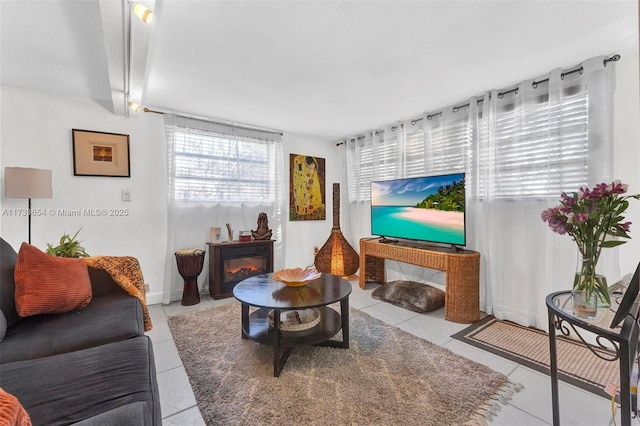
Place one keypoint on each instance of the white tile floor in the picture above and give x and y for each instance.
(531, 406)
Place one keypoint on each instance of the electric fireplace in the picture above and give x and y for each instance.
(233, 261)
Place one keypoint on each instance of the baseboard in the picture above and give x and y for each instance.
(154, 298)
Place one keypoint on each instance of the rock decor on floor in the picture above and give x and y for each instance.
(410, 295)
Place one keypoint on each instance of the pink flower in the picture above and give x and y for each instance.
(557, 220)
(618, 188)
(546, 214)
(592, 215)
(581, 217)
(559, 226)
(566, 200)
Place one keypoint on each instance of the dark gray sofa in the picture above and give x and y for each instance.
(91, 366)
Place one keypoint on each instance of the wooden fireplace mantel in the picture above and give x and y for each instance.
(462, 268)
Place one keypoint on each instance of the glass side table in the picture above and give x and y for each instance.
(622, 340)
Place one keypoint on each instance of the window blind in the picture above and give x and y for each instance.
(533, 151)
(361, 169)
(414, 154)
(450, 145)
(216, 167)
(541, 150)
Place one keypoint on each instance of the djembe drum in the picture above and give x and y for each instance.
(190, 262)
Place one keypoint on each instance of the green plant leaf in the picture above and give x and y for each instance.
(612, 243)
(68, 247)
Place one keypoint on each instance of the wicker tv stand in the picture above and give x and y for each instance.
(462, 268)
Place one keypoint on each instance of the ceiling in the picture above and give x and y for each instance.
(317, 68)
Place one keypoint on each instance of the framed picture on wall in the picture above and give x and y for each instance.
(100, 154)
(306, 188)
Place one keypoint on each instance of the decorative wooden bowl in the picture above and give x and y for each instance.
(296, 277)
(297, 320)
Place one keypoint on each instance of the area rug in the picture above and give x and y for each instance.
(530, 347)
(386, 377)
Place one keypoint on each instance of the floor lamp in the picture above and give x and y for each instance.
(23, 182)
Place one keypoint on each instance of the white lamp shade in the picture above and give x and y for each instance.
(23, 182)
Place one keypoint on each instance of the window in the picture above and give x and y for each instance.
(365, 167)
(523, 151)
(360, 169)
(449, 144)
(215, 167)
(540, 148)
(448, 147)
(414, 153)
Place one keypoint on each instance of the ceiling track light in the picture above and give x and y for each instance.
(134, 106)
(143, 13)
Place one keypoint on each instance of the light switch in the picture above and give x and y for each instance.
(126, 195)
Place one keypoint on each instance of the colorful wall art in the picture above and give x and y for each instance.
(306, 188)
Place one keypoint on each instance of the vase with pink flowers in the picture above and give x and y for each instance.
(594, 219)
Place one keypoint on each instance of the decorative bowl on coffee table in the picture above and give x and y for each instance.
(296, 277)
(298, 320)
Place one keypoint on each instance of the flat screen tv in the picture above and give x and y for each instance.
(428, 208)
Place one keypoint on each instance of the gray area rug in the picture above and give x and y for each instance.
(386, 377)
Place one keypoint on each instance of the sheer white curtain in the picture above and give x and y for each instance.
(369, 157)
(520, 148)
(358, 169)
(447, 137)
(535, 141)
(210, 188)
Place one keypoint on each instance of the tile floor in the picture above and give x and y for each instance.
(530, 407)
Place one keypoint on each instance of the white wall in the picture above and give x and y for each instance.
(36, 132)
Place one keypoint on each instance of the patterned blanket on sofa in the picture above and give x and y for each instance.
(126, 271)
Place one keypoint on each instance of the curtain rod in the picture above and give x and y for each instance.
(246, 126)
(534, 84)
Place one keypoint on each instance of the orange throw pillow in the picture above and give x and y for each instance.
(47, 284)
(11, 411)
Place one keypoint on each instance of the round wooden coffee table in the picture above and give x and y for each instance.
(271, 296)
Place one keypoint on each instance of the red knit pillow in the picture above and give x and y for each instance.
(11, 411)
(48, 284)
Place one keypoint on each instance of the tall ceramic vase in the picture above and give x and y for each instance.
(336, 256)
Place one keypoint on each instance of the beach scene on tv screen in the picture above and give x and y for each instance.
(427, 208)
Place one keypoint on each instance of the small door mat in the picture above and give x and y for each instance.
(529, 346)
